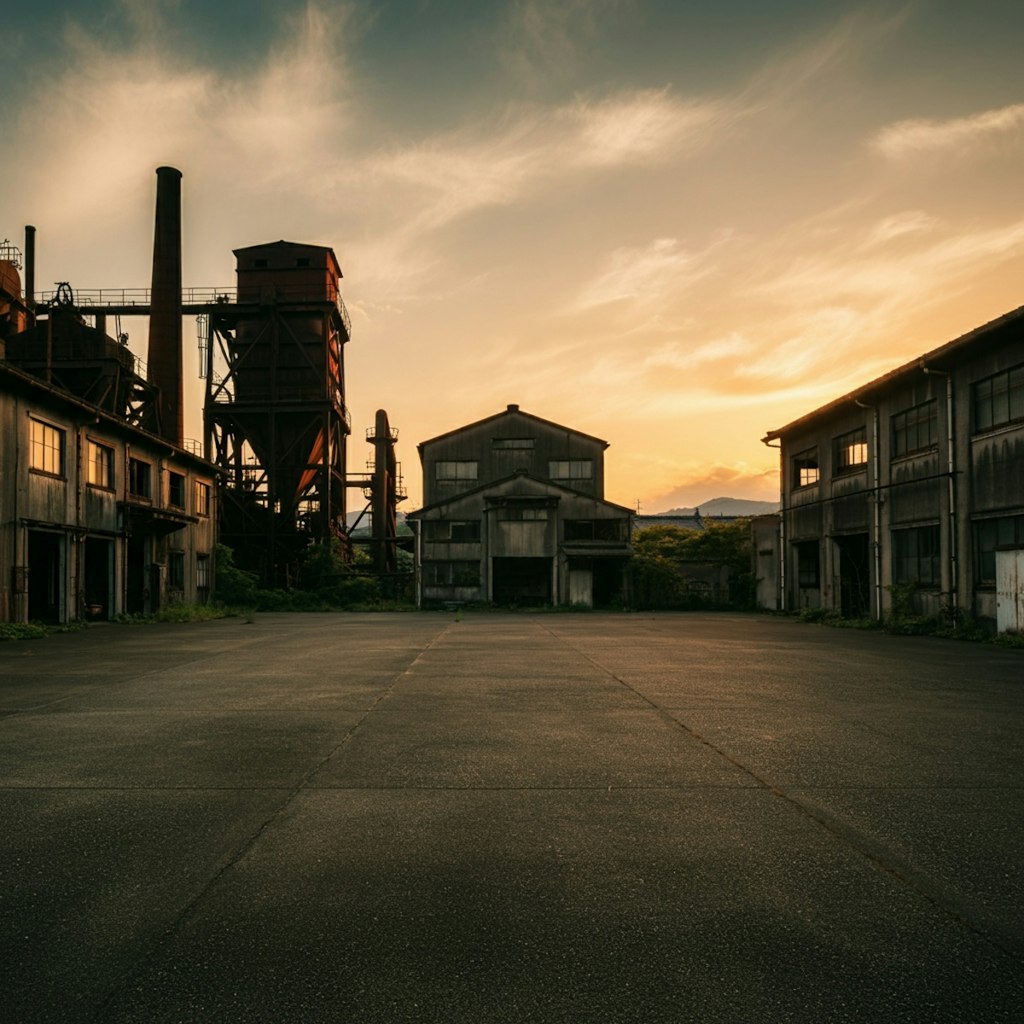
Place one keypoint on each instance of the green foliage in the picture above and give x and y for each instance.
(232, 585)
(22, 631)
(665, 560)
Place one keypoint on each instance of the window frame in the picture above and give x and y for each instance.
(1010, 394)
(847, 448)
(573, 469)
(911, 420)
(806, 460)
(173, 476)
(136, 479)
(201, 496)
(42, 452)
(92, 462)
(454, 471)
(913, 547)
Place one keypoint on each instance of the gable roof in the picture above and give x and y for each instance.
(511, 410)
(491, 485)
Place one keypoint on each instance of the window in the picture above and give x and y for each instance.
(513, 443)
(462, 532)
(452, 574)
(139, 474)
(302, 261)
(808, 565)
(203, 577)
(851, 451)
(607, 530)
(999, 399)
(519, 515)
(915, 430)
(47, 444)
(100, 465)
(176, 570)
(805, 468)
(915, 556)
(456, 470)
(989, 534)
(176, 490)
(202, 498)
(571, 469)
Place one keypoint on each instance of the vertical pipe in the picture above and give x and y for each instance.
(165, 342)
(30, 267)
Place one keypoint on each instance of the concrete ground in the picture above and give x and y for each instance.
(510, 817)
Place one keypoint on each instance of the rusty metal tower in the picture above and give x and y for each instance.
(275, 416)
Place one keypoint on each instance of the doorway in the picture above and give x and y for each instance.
(45, 572)
(854, 576)
(98, 578)
(522, 581)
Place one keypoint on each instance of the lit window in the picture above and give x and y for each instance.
(999, 399)
(805, 468)
(47, 448)
(915, 430)
(202, 498)
(452, 470)
(100, 467)
(571, 469)
(851, 451)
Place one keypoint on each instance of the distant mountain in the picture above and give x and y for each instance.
(726, 507)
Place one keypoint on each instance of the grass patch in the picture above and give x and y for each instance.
(36, 630)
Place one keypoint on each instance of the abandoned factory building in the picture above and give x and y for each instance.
(514, 513)
(910, 488)
(103, 509)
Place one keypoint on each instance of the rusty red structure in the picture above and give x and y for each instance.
(275, 417)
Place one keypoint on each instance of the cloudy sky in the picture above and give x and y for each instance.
(674, 225)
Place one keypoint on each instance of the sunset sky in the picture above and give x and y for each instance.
(674, 225)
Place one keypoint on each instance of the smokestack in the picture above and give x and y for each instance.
(30, 267)
(165, 306)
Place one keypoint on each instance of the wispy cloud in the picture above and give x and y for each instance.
(960, 135)
(642, 276)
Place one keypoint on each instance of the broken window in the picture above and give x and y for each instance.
(452, 574)
(851, 451)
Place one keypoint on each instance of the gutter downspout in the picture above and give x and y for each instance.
(782, 524)
(954, 566)
(877, 517)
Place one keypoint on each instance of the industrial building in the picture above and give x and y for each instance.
(514, 513)
(912, 484)
(105, 508)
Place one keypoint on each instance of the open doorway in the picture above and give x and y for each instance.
(45, 573)
(98, 586)
(854, 576)
(522, 581)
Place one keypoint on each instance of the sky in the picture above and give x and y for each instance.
(672, 225)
